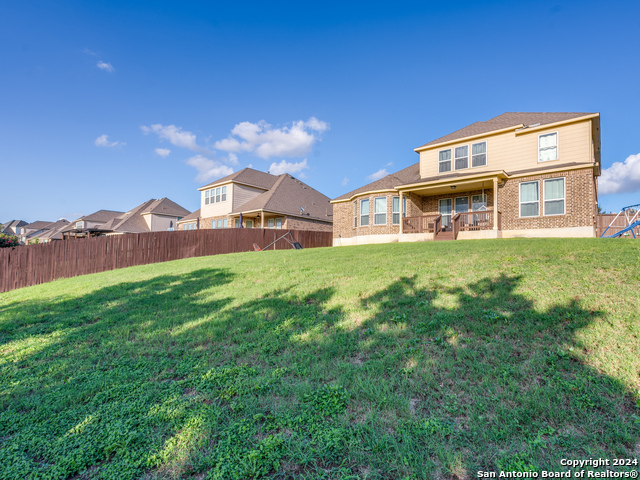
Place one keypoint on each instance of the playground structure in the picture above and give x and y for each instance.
(631, 215)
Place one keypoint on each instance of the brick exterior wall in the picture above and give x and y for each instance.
(343, 213)
(580, 206)
(580, 202)
(296, 223)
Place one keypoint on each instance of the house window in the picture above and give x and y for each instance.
(213, 224)
(479, 154)
(364, 212)
(380, 211)
(206, 197)
(271, 223)
(554, 196)
(237, 223)
(395, 209)
(462, 157)
(219, 223)
(278, 223)
(224, 194)
(548, 147)
(224, 223)
(217, 194)
(444, 161)
(78, 225)
(249, 223)
(479, 203)
(462, 205)
(529, 199)
(355, 214)
(444, 209)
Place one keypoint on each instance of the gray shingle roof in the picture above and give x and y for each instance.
(133, 220)
(100, 216)
(248, 176)
(54, 230)
(192, 216)
(411, 174)
(13, 224)
(509, 119)
(37, 225)
(165, 206)
(287, 196)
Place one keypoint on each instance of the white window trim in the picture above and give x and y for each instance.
(368, 215)
(564, 197)
(486, 155)
(557, 147)
(450, 160)
(520, 202)
(453, 161)
(384, 213)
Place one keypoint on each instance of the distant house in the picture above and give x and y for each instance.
(89, 225)
(253, 199)
(13, 227)
(515, 175)
(151, 216)
(190, 222)
(40, 231)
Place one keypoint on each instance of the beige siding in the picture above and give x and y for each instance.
(513, 152)
(242, 194)
(161, 223)
(219, 208)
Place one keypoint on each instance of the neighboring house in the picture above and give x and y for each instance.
(32, 232)
(89, 225)
(53, 231)
(190, 222)
(151, 216)
(515, 175)
(253, 199)
(13, 227)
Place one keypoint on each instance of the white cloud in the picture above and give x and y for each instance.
(378, 175)
(107, 67)
(266, 141)
(621, 177)
(389, 164)
(233, 159)
(175, 135)
(287, 167)
(103, 141)
(345, 180)
(208, 169)
(163, 152)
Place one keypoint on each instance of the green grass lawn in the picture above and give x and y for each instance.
(427, 360)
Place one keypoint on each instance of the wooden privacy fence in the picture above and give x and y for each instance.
(604, 219)
(33, 264)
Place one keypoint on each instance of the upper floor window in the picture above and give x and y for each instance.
(548, 147)
(529, 199)
(380, 211)
(444, 161)
(479, 154)
(215, 195)
(462, 157)
(364, 212)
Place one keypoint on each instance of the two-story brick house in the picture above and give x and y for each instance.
(253, 199)
(518, 174)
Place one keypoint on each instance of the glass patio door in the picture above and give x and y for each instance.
(445, 208)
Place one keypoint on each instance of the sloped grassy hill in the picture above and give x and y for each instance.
(429, 360)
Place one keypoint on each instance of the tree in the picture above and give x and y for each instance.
(8, 241)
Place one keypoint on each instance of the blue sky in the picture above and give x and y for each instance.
(104, 105)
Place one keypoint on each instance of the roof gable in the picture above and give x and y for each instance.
(506, 120)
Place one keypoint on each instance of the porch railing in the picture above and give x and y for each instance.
(472, 221)
(422, 224)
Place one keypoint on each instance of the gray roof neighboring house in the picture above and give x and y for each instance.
(192, 216)
(247, 176)
(53, 231)
(133, 221)
(290, 196)
(506, 120)
(38, 225)
(11, 226)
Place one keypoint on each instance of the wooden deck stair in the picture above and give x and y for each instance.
(442, 235)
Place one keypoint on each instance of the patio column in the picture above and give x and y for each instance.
(261, 218)
(495, 203)
(401, 212)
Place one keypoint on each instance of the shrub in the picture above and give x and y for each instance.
(8, 241)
